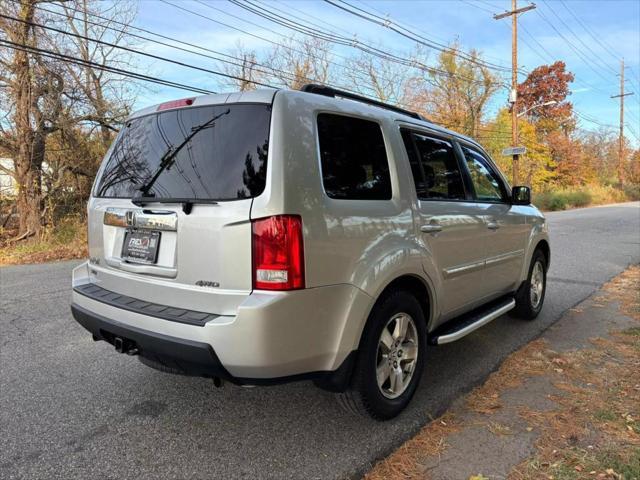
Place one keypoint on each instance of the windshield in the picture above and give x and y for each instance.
(208, 153)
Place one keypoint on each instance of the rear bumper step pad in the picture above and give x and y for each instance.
(181, 315)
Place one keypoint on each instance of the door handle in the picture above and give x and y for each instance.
(493, 225)
(431, 228)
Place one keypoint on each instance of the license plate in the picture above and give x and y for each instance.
(141, 246)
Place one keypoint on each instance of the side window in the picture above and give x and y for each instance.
(485, 182)
(354, 159)
(435, 169)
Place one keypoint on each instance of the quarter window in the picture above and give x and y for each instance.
(436, 172)
(486, 183)
(354, 159)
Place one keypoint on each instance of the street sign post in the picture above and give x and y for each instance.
(507, 152)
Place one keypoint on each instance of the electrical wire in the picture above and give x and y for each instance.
(394, 26)
(79, 61)
(332, 38)
(577, 51)
(131, 50)
(587, 47)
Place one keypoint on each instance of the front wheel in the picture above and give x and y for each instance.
(390, 360)
(530, 296)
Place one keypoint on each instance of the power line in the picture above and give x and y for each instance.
(90, 22)
(588, 49)
(394, 26)
(131, 50)
(581, 55)
(142, 37)
(347, 42)
(79, 61)
(332, 38)
(126, 48)
(598, 41)
(278, 44)
(550, 56)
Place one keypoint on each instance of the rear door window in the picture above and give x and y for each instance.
(436, 172)
(216, 152)
(354, 158)
(486, 183)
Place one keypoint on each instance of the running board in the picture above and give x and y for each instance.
(464, 325)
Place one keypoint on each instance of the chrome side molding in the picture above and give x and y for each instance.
(165, 220)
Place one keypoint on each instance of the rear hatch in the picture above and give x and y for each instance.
(169, 220)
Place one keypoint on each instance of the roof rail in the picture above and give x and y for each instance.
(334, 92)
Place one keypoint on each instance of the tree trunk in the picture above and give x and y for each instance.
(30, 154)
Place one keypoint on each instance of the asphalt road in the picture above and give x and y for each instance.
(72, 408)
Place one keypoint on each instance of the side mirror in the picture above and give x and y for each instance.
(521, 195)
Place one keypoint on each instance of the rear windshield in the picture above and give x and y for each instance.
(215, 152)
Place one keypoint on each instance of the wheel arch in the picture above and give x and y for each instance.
(417, 285)
(543, 245)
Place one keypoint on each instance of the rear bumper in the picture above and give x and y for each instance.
(274, 336)
(190, 357)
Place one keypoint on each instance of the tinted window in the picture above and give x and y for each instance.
(435, 169)
(214, 152)
(353, 157)
(486, 184)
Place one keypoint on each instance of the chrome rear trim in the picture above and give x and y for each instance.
(165, 220)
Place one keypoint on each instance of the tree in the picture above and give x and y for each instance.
(43, 95)
(291, 63)
(537, 165)
(461, 88)
(34, 104)
(548, 83)
(105, 100)
(244, 69)
(382, 79)
(568, 157)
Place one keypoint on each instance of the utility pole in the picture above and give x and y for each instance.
(513, 96)
(621, 96)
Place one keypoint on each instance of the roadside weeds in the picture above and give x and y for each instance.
(551, 412)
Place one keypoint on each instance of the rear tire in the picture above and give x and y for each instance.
(390, 359)
(530, 295)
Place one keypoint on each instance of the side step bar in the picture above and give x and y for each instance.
(464, 325)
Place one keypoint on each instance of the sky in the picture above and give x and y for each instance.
(590, 36)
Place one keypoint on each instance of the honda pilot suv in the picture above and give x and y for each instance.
(269, 236)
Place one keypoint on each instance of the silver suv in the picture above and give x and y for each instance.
(269, 236)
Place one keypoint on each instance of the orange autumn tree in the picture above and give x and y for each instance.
(548, 83)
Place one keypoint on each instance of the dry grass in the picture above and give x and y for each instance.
(67, 241)
(595, 431)
(584, 196)
(405, 462)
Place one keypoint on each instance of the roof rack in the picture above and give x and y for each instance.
(334, 92)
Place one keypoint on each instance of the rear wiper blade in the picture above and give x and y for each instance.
(187, 203)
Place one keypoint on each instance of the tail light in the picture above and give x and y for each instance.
(278, 253)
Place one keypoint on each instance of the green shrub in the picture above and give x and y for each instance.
(576, 197)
